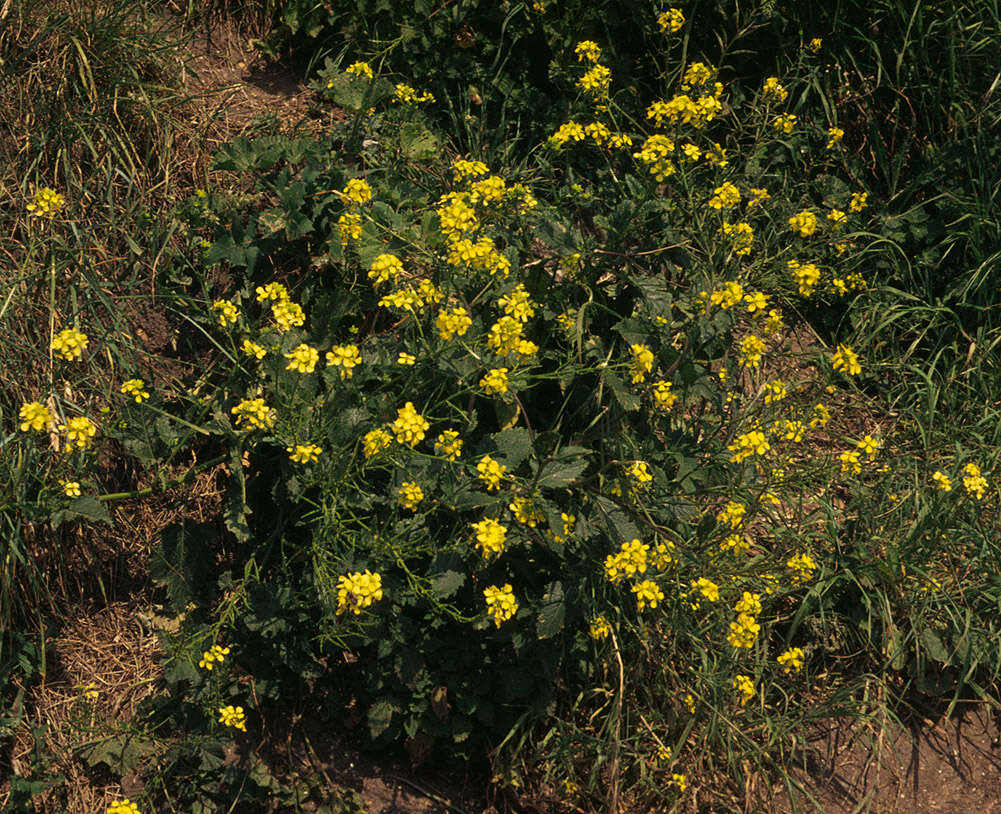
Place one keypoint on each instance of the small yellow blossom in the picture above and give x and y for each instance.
(500, 602)
(942, 481)
(802, 566)
(385, 268)
(974, 482)
(490, 472)
(725, 196)
(360, 69)
(751, 350)
(227, 312)
(234, 717)
(253, 414)
(70, 342)
(745, 687)
(46, 203)
(587, 50)
(786, 122)
(599, 628)
(495, 381)
(272, 291)
(409, 495)
(449, 444)
(791, 660)
(349, 228)
(845, 360)
(358, 590)
(253, 349)
(663, 396)
(409, 426)
(490, 536)
(80, 430)
(125, 806)
(304, 453)
(374, 441)
(452, 322)
(135, 388)
(774, 89)
(287, 315)
(217, 653)
(647, 593)
(356, 192)
(35, 416)
(858, 201)
(671, 21)
(345, 358)
(302, 359)
(804, 222)
(71, 488)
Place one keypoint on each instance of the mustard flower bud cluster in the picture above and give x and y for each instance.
(732, 514)
(234, 717)
(80, 431)
(449, 444)
(35, 416)
(409, 495)
(804, 222)
(490, 537)
(802, 567)
(302, 359)
(409, 426)
(641, 363)
(631, 559)
(46, 203)
(71, 488)
(125, 806)
(501, 603)
(974, 482)
(806, 276)
(69, 342)
(345, 358)
(360, 69)
(358, 590)
(452, 322)
(745, 687)
(647, 593)
(304, 453)
(791, 660)
(226, 311)
(253, 414)
(748, 444)
(671, 21)
(598, 628)
(404, 94)
(526, 512)
(135, 388)
(490, 472)
(495, 381)
(374, 441)
(751, 350)
(216, 653)
(845, 361)
(663, 396)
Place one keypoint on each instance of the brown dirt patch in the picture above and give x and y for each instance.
(951, 765)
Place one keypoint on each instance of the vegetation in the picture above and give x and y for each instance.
(609, 410)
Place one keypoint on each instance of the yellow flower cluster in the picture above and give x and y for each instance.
(125, 806)
(408, 96)
(671, 21)
(35, 416)
(304, 453)
(804, 222)
(748, 444)
(806, 276)
(640, 472)
(254, 414)
(452, 322)
(631, 559)
(70, 342)
(656, 154)
(663, 396)
(501, 603)
(227, 312)
(772, 89)
(641, 363)
(745, 629)
(526, 512)
(409, 426)
(845, 361)
(598, 628)
(358, 590)
(361, 69)
(234, 717)
(791, 660)
(725, 196)
(647, 593)
(741, 236)
(71, 488)
(345, 358)
(374, 441)
(974, 482)
(135, 388)
(587, 50)
(495, 381)
(834, 135)
(490, 472)
(409, 495)
(751, 350)
(942, 481)
(596, 81)
(46, 203)
(349, 228)
(385, 268)
(490, 537)
(732, 514)
(802, 567)
(449, 444)
(80, 431)
(743, 685)
(357, 192)
(302, 359)
(214, 654)
(786, 123)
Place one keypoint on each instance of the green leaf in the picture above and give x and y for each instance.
(417, 142)
(380, 716)
(934, 646)
(121, 753)
(86, 507)
(182, 561)
(235, 509)
(514, 444)
(550, 619)
(623, 395)
(560, 473)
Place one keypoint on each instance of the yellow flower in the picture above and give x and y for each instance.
(409, 426)
(209, 657)
(349, 228)
(647, 593)
(356, 192)
(806, 276)
(631, 559)
(663, 396)
(821, 415)
(406, 359)
(974, 482)
(374, 441)
(705, 588)
(751, 350)
(869, 445)
(757, 196)
(490, 537)
(253, 349)
(732, 514)
(942, 481)
(599, 628)
(773, 88)
(791, 660)
(641, 363)
(463, 168)
(452, 322)
(490, 472)
(837, 217)
(47, 203)
(35, 416)
(360, 68)
(525, 512)
(71, 488)
(745, 687)
(88, 691)
(135, 388)
(345, 358)
(302, 359)
(385, 268)
(748, 444)
(698, 73)
(518, 304)
(775, 391)
(671, 21)
(272, 291)
(227, 311)
(500, 602)
(741, 235)
(449, 444)
(234, 717)
(858, 201)
(596, 81)
(815, 44)
(587, 50)
(408, 96)
(409, 495)
(725, 196)
(125, 806)
(786, 122)
(743, 632)
(804, 222)
(834, 135)
(304, 453)
(656, 150)
(845, 360)
(571, 131)
(495, 381)
(358, 590)
(639, 470)
(253, 414)
(691, 151)
(79, 432)
(70, 342)
(802, 566)
(287, 315)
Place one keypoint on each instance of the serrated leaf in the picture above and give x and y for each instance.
(549, 622)
(445, 585)
(560, 473)
(181, 562)
(514, 444)
(626, 398)
(380, 716)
